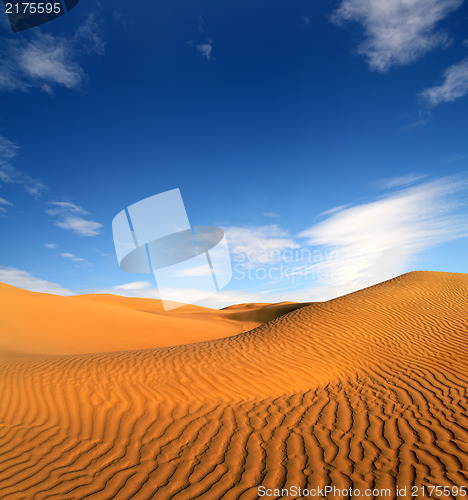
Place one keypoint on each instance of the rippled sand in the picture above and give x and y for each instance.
(365, 391)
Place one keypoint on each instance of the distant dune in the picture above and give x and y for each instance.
(366, 391)
(41, 323)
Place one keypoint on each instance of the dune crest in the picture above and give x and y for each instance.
(365, 391)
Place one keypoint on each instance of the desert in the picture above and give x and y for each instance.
(362, 396)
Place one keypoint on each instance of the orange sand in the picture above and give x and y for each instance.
(40, 323)
(365, 391)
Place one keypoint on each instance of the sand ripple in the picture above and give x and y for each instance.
(366, 391)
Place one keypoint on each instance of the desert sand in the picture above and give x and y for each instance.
(40, 323)
(103, 397)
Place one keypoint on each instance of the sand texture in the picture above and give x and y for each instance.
(369, 390)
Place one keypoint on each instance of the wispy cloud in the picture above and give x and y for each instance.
(397, 32)
(64, 206)
(89, 38)
(50, 245)
(134, 285)
(42, 60)
(379, 240)
(70, 217)
(273, 215)
(258, 244)
(454, 85)
(9, 174)
(8, 150)
(74, 258)
(205, 49)
(192, 272)
(23, 279)
(333, 210)
(353, 247)
(4, 203)
(143, 289)
(398, 182)
(201, 24)
(80, 226)
(455, 158)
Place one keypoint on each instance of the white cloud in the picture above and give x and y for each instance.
(11, 175)
(47, 60)
(378, 240)
(454, 86)
(23, 279)
(225, 297)
(8, 150)
(258, 244)
(50, 245)
(65, 206)
(354, 247)
(306, 20)
(134, 285)
(79, 260)
(41, 60)
(333, 210)
(398, 182)
(80, 226)
(4, 203)
(201, 24)
(397, 31)
(217, 300)
(70, 218)
(193, 272)
(273, 215)
(140, 289)
(205, 49)
(88, 38)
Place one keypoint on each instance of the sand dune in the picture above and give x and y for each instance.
(40, 323)
(369, 390)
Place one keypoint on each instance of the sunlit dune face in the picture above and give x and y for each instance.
(367, 391)
(38, 323)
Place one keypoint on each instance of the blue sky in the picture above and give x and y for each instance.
(335, 128)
